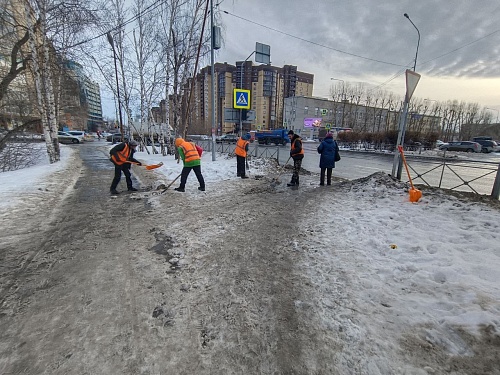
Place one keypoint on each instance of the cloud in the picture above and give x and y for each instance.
(371, 29)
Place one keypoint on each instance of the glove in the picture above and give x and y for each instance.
(139, 163)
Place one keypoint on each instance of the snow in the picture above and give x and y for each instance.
(14, 185)
(434, 264)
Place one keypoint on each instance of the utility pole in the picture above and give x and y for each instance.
(212, 72)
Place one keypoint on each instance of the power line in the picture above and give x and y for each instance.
(315, 43)
(465, 45)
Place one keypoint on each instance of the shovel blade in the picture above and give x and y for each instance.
(415, 195)
(154, 166)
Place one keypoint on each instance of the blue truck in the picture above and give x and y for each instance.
(276, 136)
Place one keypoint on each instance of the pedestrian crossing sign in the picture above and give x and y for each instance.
(241, 99)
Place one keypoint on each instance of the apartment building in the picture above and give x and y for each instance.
(268, 85)
(87, 114)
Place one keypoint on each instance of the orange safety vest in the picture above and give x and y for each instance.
(121, 156)
(190, 151)
(241, 146)
(292, 146)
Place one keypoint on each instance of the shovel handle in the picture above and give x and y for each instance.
(400, 148)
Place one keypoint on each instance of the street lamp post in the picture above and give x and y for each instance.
(343, 100)
(492, 109)
(418, 42)
(398, 161)
(110, 40)
(241, 87)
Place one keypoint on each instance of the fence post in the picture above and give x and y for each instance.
(495, 193)
(278, 155)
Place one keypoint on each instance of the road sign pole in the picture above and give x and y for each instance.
(412, 79)
(397, 163)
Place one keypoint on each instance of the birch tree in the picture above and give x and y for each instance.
(148, 58)
(182, 21)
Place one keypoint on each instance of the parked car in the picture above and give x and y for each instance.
(65, 137)
(78, 134)
(228, 138)
(466, 146)
(440, 143)
(487, 146)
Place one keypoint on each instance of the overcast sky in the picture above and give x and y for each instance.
(458, 56)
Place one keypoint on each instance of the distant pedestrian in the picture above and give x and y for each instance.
(297, 154)
(121, 155)
(241, 151)
(328, 149)
(191, 159)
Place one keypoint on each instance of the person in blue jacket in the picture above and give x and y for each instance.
(328, 149)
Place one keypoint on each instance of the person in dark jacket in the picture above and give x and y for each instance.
(297, 154)
(328, 149)
(121, 155)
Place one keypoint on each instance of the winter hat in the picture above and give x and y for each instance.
(246, 137)
(133, 143)
(290, 132)
(329, 135)
(178, 142)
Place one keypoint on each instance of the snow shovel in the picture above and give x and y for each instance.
(160, 192)
(148, 167)
(415, 194)
(276, 180)
(170, 184)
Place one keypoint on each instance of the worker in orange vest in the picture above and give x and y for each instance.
(191, 159)
(297, 154)
(121, 155)
(241, 151)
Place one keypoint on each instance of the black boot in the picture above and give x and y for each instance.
(180, 189)
(293, 182)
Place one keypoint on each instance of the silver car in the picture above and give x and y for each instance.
(466, 146)
(65, 137)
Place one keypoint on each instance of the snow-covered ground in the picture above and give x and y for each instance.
(422, 275)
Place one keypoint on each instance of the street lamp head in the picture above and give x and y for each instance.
(418, 42)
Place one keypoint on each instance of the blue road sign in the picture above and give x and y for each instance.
(241, 99)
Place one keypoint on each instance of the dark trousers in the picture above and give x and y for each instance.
(328, 176)
(240, 166)
(185, 173)
(125, 168)
(297, 164)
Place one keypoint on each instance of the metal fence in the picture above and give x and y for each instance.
(479, 177)
(257, 151)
